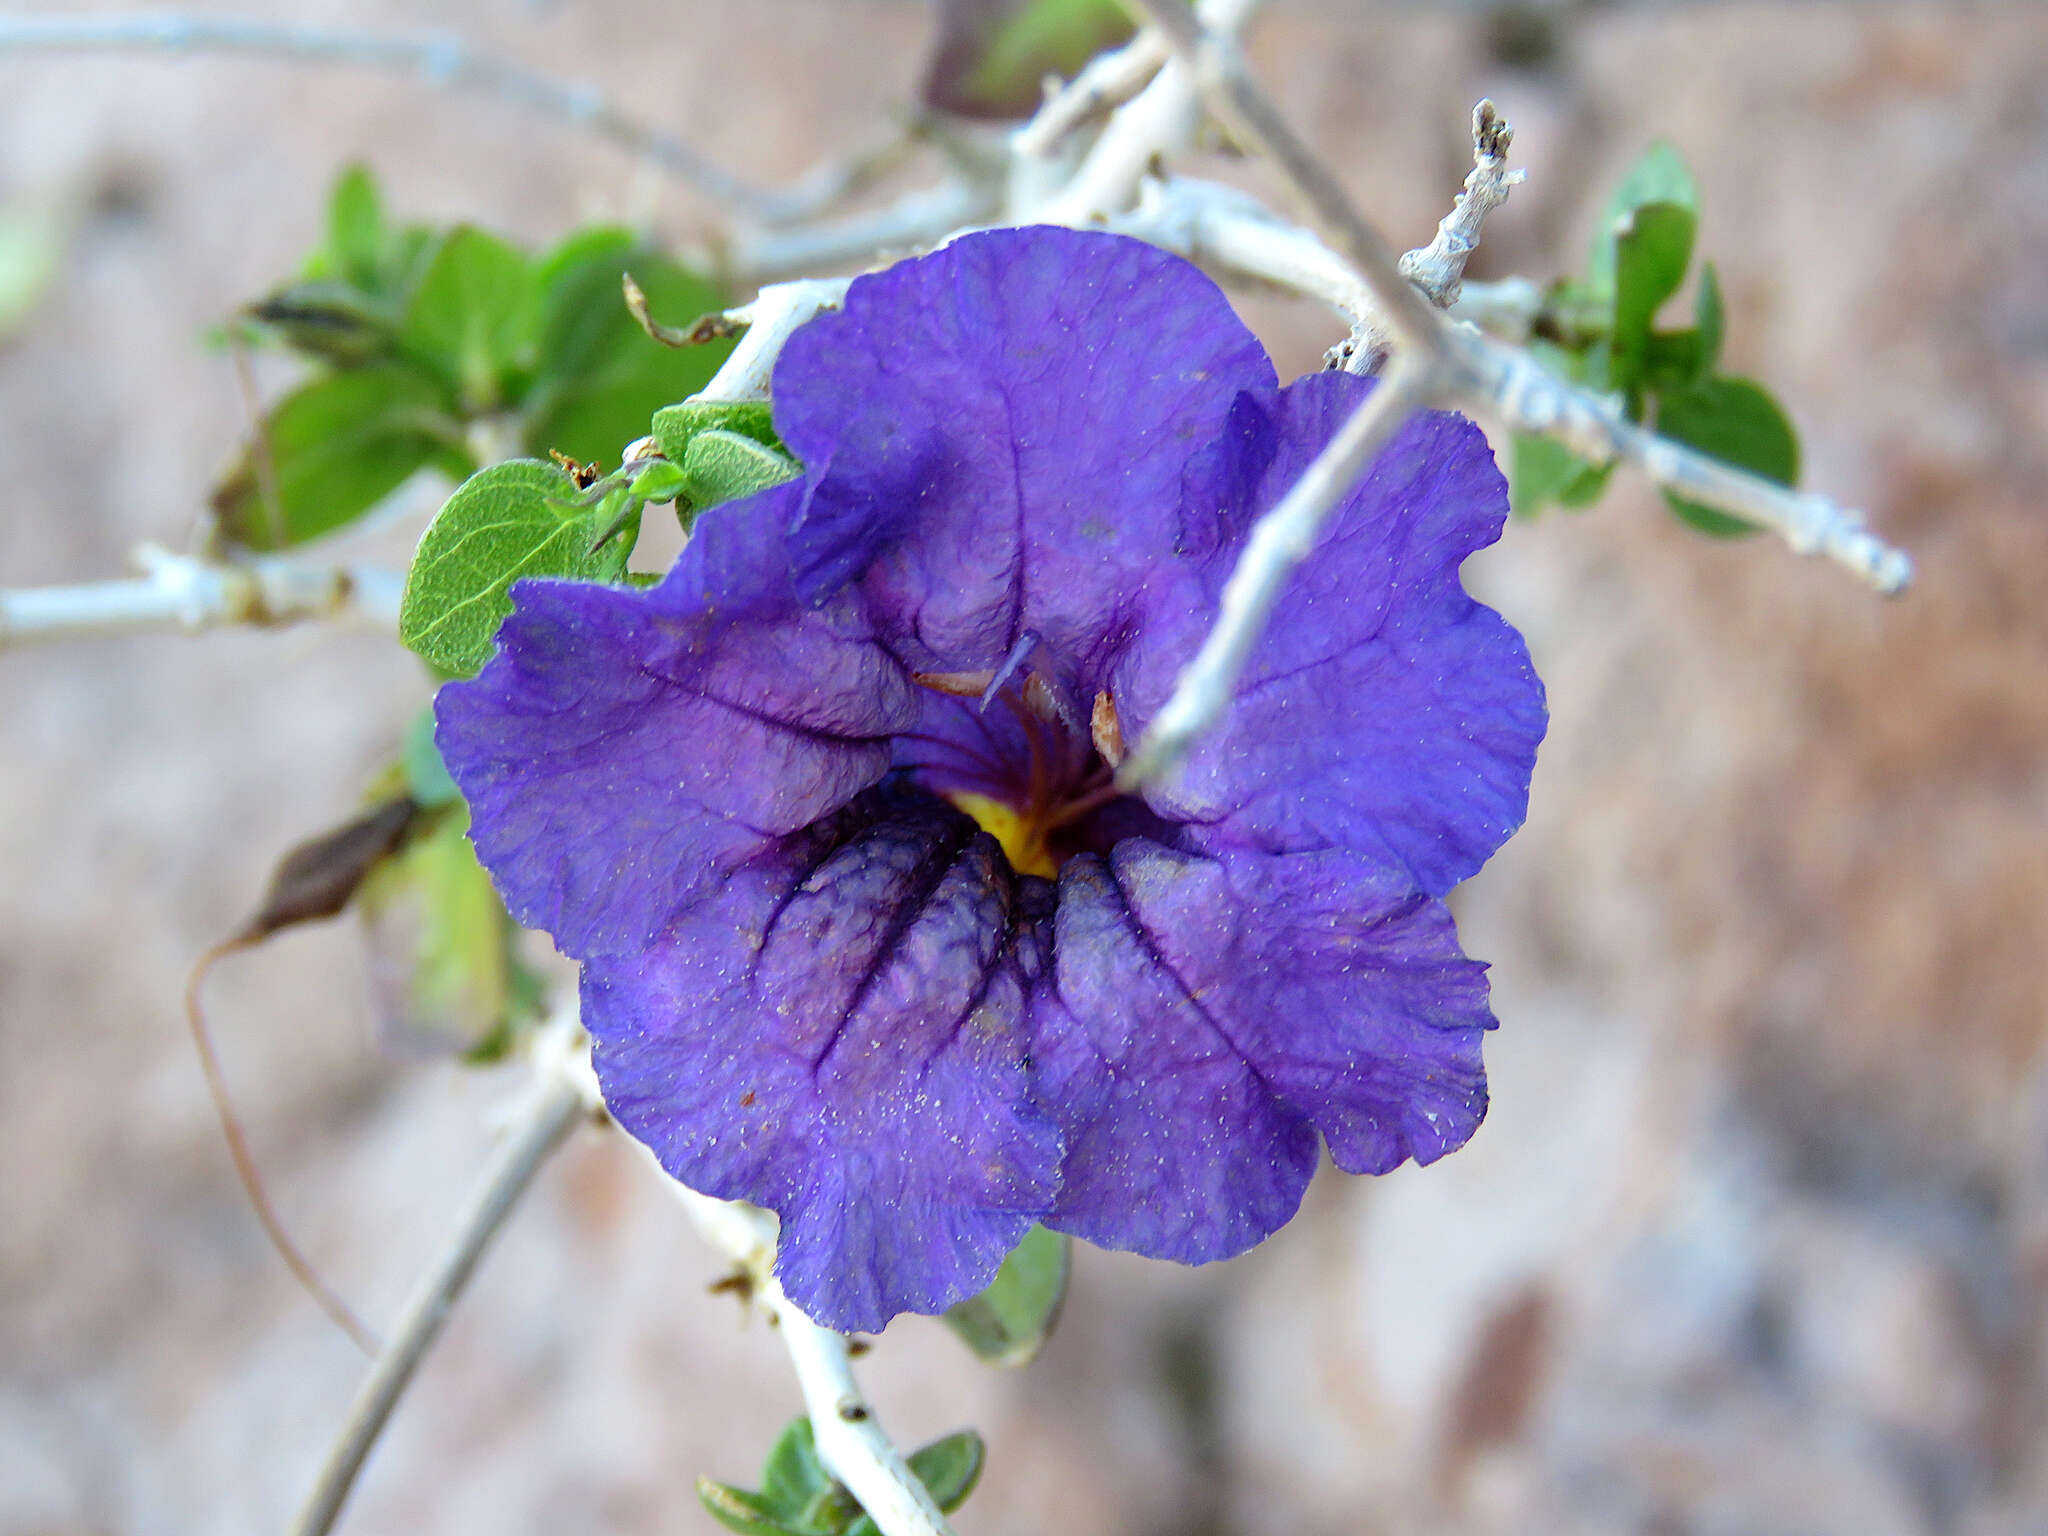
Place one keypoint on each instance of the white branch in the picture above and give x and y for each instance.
(560, 1097)
(776, 313)
(440, 61)
(851, 1442)
(1280, 540)
(1512, 384)
(1438, 362)
(915, 221)
(1438, 268)
(1107, 80)
(181, 592)
(1155, 125)
(1226, 229)
(1506, 308)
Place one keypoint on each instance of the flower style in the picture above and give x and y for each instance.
(870, 937)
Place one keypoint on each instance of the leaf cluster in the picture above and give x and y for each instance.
(429, 345)
(1601, 331)
(525, 518)
(798, 1497)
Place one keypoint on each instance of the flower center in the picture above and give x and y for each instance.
(1016, 758)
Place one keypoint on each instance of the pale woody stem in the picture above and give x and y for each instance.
(558, 1100)
(182, 592)
(1440, 363)
(438, 61)
(1279, 541)
(850, 1439)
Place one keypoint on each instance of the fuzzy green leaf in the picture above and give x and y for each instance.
(1738, 422)
(338, 445)
(1541, 471)
(675, 425)
(331, 322)
(724, 466)
(507, 521)
(992, 56)
(444, 965)
(1009, 1322)
(357, 241)
(746, 1513)
(948, 1468)
(1659, 176)
(427, 778)
(793, 1475)
(1710, 322)
(1653, 246)
(33, 237)
(473, 316)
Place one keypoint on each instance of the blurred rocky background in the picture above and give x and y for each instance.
(1756, 1237)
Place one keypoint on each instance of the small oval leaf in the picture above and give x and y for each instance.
(335, 447)
(514, 519)
(1008, 1323)
(1738, 422)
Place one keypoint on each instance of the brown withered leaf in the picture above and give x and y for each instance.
(317, 878)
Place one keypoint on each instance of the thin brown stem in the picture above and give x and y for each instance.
(245, 1162)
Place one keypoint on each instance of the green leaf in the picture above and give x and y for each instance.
(427, 778)
(992, 56)
(798, 1497)
(1653, 246)
(1009, 1322)
(1738, 422)
(659, 480)
(951, 1467)
(1671, 361)
(599, 376)
(1541, 471)
(358, 245)
(33, 238)
(675, 425)
(747, 1513)
(444, 961)
(338, 445)
(1710, 321)
(473, 317)
(1660, 176)
(724, 466)
(948, 1468)
(793, 1476)
(330, 322)
(509, 520)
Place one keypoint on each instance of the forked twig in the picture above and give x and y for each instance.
(1446, 365)
(1279, 541)
(449, 61)
(851, 1441)
(558, 1101)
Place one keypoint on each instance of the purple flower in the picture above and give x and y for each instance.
(869, 938)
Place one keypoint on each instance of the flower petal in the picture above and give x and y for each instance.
(1383, 710)
(838, 1033)
(625, 748)
(1212, 1013)
(996, 437)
